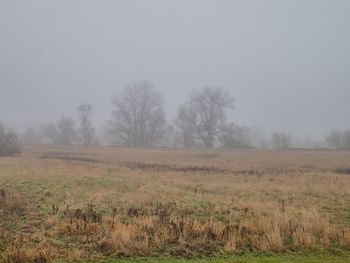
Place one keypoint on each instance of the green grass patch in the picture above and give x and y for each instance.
(273, 258)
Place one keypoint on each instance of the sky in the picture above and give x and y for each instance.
(285, 62)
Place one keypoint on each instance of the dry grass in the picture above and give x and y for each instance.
(86, 203)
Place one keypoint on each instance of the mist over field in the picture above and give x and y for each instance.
(285, 63)
(175, 131)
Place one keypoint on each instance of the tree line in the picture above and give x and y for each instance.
(139, 120)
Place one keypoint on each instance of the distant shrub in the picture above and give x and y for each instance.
(342, 170)
(9, 144)
(339, 139)
(234, 137)
(280, 140)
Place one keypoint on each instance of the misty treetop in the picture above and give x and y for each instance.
(138, 116)
(86, 129)
(202, 116)
(139, 119)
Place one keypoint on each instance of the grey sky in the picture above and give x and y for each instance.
(287, 63)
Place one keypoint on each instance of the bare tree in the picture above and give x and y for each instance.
(280, 140)
(62, 133)
(234, 136)
(339, 139)
(209, 106)
(86, 130)
(185, 123)
(138, 119)
(9, 144)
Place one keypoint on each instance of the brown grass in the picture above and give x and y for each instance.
(86, 203)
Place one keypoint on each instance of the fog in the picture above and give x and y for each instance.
(286, 63)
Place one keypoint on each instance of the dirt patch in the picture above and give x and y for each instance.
(153, 167)
(207, 155)
(342, 170)
(156, 167)
(66, 157)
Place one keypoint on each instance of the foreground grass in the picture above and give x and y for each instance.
(84, 204)
(341, 257)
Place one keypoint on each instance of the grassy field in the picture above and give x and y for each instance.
(108, 204)
(292, 258)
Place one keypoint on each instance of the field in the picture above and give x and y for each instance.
(157, 205)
